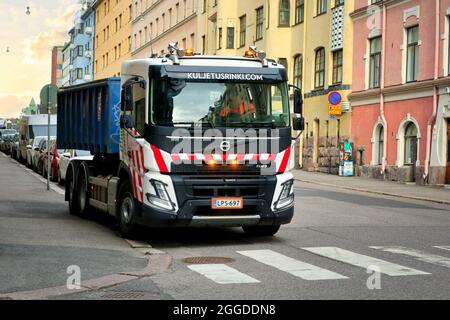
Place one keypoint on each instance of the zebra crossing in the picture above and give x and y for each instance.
(225, 274)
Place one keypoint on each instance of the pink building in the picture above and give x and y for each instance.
(401, 90)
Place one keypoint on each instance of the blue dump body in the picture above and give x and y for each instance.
(89, 116)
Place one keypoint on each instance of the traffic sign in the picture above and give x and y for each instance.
(334, 98)
(335, 110)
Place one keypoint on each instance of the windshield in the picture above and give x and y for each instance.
(37, 141)
(220, 104)
(82, 153)
(41, 130)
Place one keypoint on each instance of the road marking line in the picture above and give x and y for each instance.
(363, 261)
(420, 255)
(295, 267)
(222, 274)
(443, 247)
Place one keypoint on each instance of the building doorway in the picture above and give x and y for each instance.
(447, 176)
(411, 147)
(316, 144)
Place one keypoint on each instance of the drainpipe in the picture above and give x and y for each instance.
(383, 64)
(432, 119)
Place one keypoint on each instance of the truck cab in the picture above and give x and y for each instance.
(205, 141)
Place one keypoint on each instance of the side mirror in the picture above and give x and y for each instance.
(298, 124)
(127, 98)
(66, 155)
(298, 101)
(126, 122)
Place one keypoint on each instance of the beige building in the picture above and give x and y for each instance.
(156, 23)
(308, 38)
(112, 36)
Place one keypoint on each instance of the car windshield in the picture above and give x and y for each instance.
(220, 104)
(82, 153)
(41, 130)
(37, 141)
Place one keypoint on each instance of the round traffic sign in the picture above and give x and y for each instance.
(334, 98)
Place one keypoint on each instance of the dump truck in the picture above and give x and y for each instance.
(184, 140)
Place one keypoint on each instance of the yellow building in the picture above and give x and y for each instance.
(307, 37)
(327, 67)
(112, 36)
(157, 23)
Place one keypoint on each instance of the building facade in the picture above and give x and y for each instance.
(401, 86)
(78, 54)
(313, 40)
(57, 66)
(112, 42)
(156, 23)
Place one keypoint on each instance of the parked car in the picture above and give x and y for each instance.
(14, 147)
(42, 148)
(6, 136)
(67, 156)
(32, 148)
(55, 155)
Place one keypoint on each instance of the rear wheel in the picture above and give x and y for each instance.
(83, 195)
(72, 192)
(126, 211)
(261, 231)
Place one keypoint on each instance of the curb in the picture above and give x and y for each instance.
(375, 192)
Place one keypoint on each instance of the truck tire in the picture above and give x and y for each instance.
(261, 231)
(83, 195)
(126, 211)
(72, 195)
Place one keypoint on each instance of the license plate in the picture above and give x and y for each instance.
(227, 203)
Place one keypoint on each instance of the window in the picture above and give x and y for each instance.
(410, 144)
(242, 30)
(321, 7)
(284, 16)
(230, 38)
(298, 68)
(284, 63)
(319, 78)
(337, 66)
(378, 145)
(139, 106)
(299, 11)
(375, 63)
(79, 51)
(205, 4)
(412, 54)
(220, 39)
(79, 74)
(339, 3)
(259, 23)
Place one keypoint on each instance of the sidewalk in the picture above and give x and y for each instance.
(391, 188)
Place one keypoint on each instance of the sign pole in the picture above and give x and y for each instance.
(48, 139)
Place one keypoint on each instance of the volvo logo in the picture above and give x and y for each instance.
(225, 146)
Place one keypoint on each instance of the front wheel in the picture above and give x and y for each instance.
(126, 211)
(261, 231)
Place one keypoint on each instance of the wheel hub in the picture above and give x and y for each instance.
(126, 210)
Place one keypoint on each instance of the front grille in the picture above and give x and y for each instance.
(207, 211)
(225, 191)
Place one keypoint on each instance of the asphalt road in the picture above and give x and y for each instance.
(323, 254)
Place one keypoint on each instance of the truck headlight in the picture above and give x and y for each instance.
(286, 197)
(160, 198)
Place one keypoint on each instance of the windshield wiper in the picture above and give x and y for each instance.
(253, 124)
(191, 124)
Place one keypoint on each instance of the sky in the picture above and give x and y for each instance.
(30, 38)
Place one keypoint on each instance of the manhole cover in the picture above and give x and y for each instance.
(123, 295)
(207, 260)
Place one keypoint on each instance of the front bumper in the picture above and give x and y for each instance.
(194, 203)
